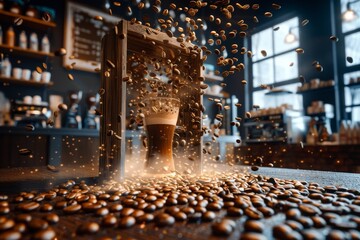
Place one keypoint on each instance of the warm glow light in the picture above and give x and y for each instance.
(349, 15)
(290, 38)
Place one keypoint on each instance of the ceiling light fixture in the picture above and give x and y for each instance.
(291, 37)
(350, 14)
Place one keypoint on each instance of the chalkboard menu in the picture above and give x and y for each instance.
(84, 29)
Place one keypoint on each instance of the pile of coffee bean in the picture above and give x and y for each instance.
(231, 205)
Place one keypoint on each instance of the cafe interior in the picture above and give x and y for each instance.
(273, 89)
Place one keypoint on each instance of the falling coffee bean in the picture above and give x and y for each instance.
(25, 152)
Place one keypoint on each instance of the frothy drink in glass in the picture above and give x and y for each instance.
(161, 114)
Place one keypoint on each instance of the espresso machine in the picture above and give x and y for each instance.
(73, 115)
(92, 120)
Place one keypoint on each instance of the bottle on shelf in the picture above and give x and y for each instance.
(1, 35)
(312, 134)
(10, 37)
(34, 43)
(45, 44)
(355, 134)
(6, 67)
(343, 132)
(23, 40)
(323, 133)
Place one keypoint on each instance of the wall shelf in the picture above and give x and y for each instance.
(213, 78)
(27, 21)
(213, 95)
(353, 85)
(313, 90)
(24, 52)
(11, 80)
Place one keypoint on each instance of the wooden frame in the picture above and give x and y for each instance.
(127, 36)
(72, 29)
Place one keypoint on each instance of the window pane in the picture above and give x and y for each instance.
(352, 96)
(283, 70)
(351, 77)
(262, 41)
(284, 28)
(263, 72)
(294, 100)
(353, 113)
(351, 25)
(259, 98)
(352, 48)
(267, 101)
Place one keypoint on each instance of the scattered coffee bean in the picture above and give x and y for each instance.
(223, 228)
(127, 222)
(164, 219)
(88, 228)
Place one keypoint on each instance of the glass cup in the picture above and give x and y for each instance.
(161, 114)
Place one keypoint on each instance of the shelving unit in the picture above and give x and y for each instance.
(213, 95)
(13, 88)
(24, 52)
(213, 78)
(31, 22)
(11, 80)
(311, 91)
(353, 85)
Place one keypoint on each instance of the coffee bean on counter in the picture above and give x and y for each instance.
(6, 224)
(126, 222)
(126, 212)
(281, 231)
(51, 218)
(234, 212)
(305, 221)
(254, 226)
(150, 208)
(109, 221)
(318, 221)
(10, 235)
(45, 234)
(102, 212)
(61, 204)
(252, 236)
(47, 207)
(312, 234)
(309, 210)
(214, 206)
(29, 206)
(38, 224)
(195, 217)
(20, 227)
(266, 211)
(200, 209)
(117, 207)
(164, 219)
(188, 210)
(23, 217)
(253, 213)
(296, 226)
(336, 235)
(146, 218)
(72, 209)
(88, 228)
(179, 216)
(293, 213)
(208, 216)
(223, 228)
(4, 210)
